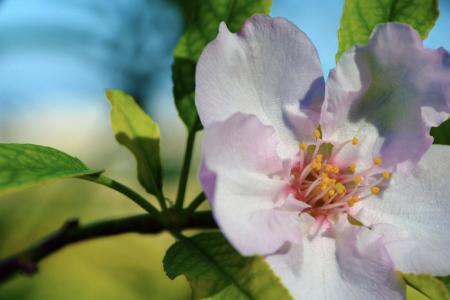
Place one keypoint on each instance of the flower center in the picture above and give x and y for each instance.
(328, 187)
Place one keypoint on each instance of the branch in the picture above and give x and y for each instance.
(72, 232)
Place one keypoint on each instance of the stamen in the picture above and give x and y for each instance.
(319, 158)
(340, 188)
(318, 181)
(317, 134)
(357, 179)
(375, 190)
(352, 168)
(353, 201)
(377, 161)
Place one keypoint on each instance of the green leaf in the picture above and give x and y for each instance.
(441, 134)
(26, 165)
(216, 271)
(426, 286)
(203, 19)
(446, 281)
(183, 76)
(140, 134)
(360, 17)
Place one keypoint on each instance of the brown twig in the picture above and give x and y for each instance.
(72, 232)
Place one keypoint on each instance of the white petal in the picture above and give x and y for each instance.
(392, 89)
(269, 64)
(244, 177)
(414, 212)
(354, 267)
(245, 210)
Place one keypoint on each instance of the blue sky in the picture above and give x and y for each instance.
(71, 68)
(320, 21)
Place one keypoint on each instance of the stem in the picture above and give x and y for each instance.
(123, 189)
(185, 168)
(196, 203)
(72, 232)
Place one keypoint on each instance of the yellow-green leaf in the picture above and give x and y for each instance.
(425, 286)
(216, 271)
(26, 165)
(140, 134)
(361, 16)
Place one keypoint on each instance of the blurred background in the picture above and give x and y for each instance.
(56, 59)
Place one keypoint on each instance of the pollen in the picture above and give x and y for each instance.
(317, 166)
(352, 167)
(377, 161)
(317, 134)
(331, 192)
(328, 168)
(303, 146)
(355, 140)
(319, 158)
(340, 188)
(375, 190)
(335, 170)
(357, 179)
(353, 201)
(386, 175)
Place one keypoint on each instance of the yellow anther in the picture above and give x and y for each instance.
(352, 167)
(323, 187)
(333, 181)
(319, 158)
(353, 200)
(317, 166)
(375, 190)
(340, 188)
(377, 161)
(357, 179)
(331, 192)
(386, 175)
(328, 168)
(355, 140)
(303, 146)
(317, 134)
(335, 170)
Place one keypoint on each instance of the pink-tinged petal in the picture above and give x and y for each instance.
(353, 266)
(243, 177)
(392, 88)
(301, 123)
(269, 64)
(208, 179)
(413, 214)
(242, 143)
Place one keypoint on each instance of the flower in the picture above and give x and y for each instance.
(336, 184)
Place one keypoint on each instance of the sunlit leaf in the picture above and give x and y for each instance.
(216, 271)
(360, 17)
(425, 287)
(26, 165)
(203, 19)
(446, 281)
(140, 134)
